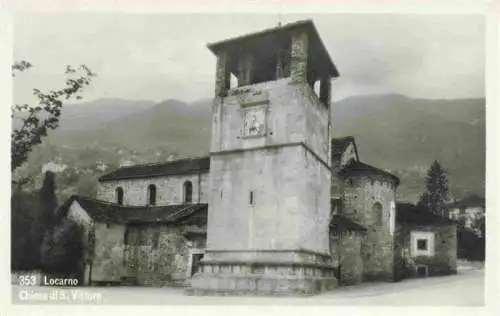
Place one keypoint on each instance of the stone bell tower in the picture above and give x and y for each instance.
(269, 199)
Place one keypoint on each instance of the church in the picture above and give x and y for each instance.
(280, 206)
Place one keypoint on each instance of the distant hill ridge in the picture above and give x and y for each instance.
(393, 132)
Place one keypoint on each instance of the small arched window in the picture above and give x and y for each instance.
(188, 192)
(378, 214)
(119, 195)
(151, 194)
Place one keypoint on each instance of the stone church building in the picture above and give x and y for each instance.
(279, 206)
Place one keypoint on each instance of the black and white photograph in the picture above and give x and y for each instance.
(274, 158)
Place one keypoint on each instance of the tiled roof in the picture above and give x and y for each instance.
(342, 224)
(106, 212)
(470, 201)
(360, 168)
(178, 167)
(274, 35)
(339, 145)
(408, 213)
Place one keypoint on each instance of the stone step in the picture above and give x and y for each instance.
(217, 284)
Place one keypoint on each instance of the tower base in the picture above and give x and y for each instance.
(308, 274)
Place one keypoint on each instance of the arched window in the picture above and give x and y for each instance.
(188, 192)
(119, 195)
(151, 194)
(378, 214)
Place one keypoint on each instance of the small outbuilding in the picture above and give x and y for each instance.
(138, 245)
(425, 243)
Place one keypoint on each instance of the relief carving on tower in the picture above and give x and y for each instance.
(254, 122)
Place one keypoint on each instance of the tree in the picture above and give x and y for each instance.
(62, 249)
(48, 201)
(436, 194)
(39, 119)
(30, 219)
(43, 216)
(25, 245)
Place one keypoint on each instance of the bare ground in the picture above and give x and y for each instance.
(464, 289)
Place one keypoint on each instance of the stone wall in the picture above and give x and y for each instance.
(443, 261)
(315, 217)
(286, 213)
(285, 165)
(222, 74)
(160, 254)
(346, 251)
(360, 195)
(318, 129)
(274, 220)
(399, 256)
(108, 260)
(273, 272)
(78, 215)
(289, 113)
(337, 186)
(169, 190)
(143, 260)
(299, 58)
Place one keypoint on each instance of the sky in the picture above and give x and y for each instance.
(164, 56)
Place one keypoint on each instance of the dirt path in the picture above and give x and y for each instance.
(463, 289)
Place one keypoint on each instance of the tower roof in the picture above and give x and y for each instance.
(274, 37)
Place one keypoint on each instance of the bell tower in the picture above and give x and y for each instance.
(270, 173)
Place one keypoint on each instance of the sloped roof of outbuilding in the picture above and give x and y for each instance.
(471, 201)
(106, 212)
(171, 168)
(408, 213)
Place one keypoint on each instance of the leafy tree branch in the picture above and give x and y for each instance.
(44, 116)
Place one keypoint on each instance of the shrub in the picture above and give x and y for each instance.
(62, 249)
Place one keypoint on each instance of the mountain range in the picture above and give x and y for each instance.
(394, 132)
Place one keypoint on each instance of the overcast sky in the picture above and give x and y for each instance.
(161, 56)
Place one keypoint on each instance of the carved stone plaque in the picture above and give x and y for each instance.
(254, 122)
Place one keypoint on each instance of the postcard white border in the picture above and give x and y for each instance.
(490, 8)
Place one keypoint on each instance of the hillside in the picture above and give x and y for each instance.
(89, 115)
(405, 135)
(394, 132)
(170, 126)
